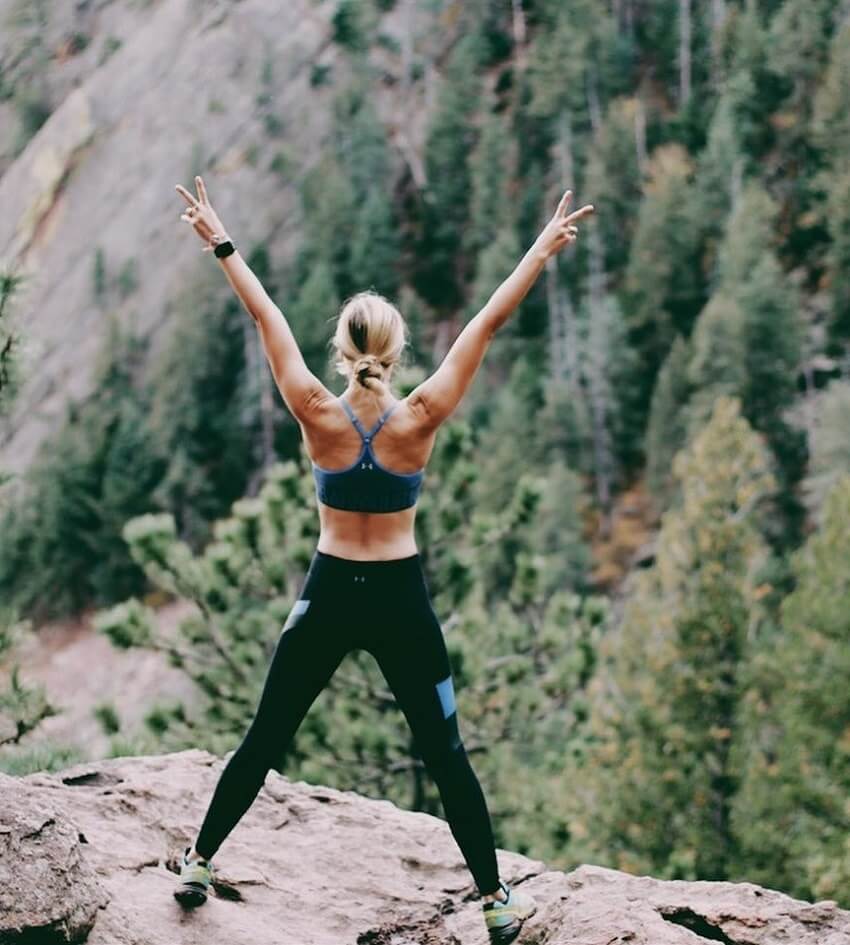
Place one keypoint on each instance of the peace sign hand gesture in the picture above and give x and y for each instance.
(202, 216)
(560, 231)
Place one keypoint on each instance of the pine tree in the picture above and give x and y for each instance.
(791, 813)
(653, 792)
(667, 431)
(62, 547)
(195, 419)
(310, 316)
(441, 267)
(746, 343)
(664, 285)
(830, 130)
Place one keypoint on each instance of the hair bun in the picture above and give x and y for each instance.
(368, 365)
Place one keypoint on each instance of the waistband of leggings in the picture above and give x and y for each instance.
(374, 564)
(410, 564)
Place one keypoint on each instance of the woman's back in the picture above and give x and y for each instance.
(368, 457)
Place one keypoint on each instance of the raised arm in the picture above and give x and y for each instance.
(299, 387)
(438, 395)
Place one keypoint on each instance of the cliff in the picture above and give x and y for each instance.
(142, 96)
(89, 854)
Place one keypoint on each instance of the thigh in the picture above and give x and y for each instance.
(411, 653)
(309, 649)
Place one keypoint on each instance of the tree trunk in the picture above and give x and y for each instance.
(640, 132)
(599, 394)
(593, 106)
(684, 51)
(519, 32)
(718, 17)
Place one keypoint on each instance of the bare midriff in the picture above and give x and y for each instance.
(367, 536)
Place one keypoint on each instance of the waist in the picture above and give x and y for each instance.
(386, 568)
(353, 535)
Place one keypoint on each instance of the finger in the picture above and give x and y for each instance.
(585, 211)
(189, 198)
(202, 190)
(564, 203)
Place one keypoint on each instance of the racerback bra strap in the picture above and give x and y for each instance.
(367, 435)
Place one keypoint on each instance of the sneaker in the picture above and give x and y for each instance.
(504, 919)
(196, 877)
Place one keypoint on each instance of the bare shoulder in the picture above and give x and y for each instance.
(421, 417)
(410, 416)
(413, 408)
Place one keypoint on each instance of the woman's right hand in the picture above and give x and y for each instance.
(201, 215)
(561, 230)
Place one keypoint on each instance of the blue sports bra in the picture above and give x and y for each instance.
(366, 485)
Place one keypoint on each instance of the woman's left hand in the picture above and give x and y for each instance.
(202, 216)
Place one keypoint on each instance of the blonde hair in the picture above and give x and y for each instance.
(369, 339)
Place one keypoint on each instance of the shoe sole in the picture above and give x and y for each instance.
(190, 896)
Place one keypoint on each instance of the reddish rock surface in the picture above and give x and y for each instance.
(90, 853)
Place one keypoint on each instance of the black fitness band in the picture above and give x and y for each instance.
(224, 249)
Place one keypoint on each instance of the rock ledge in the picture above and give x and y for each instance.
(89, 854)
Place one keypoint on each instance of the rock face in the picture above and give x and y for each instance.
(159, 91)
(89, 854)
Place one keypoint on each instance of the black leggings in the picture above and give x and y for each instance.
(382, 607)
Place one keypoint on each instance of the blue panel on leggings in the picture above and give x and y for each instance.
(298, 608)
(445, 690)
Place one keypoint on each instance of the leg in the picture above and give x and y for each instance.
(413, 658)
(306, 656)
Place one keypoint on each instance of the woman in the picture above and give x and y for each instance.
(365, 587)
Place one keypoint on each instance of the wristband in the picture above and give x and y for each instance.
(224, 248)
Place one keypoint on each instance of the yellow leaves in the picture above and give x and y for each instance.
(667, 164)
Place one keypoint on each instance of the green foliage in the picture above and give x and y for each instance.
(654, 788)
(108, 717)
(663, 281)
(570, 37)
(830, 130)
(199, 428)
(440, 272)
(62, 548)
(22, 707)
(792, 813)
(110, 46)
(747, 344)
(45, 755)
(666, 430)
(10, 343)
(351, 240)
(124, 451)
(310, 315)
(99, 275)
(349, 26)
